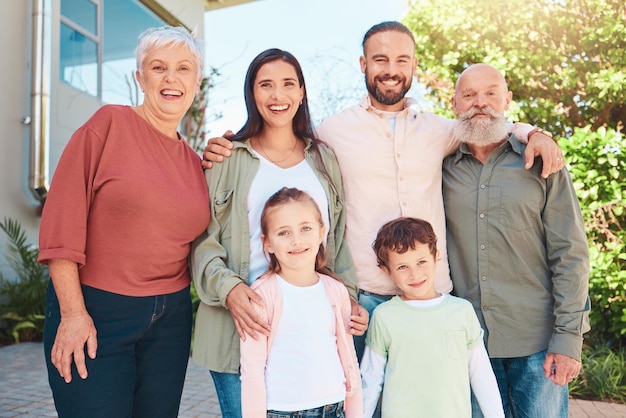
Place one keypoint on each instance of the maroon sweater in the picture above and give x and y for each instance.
(125, 203)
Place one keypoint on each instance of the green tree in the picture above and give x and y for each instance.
(565, 61)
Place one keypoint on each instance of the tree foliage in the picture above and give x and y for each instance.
(565, 61)
(598, 168)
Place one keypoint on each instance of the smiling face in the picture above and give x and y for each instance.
(294, 234)
(413, 272)
(277, 93)
(170, 79)
(389, 65)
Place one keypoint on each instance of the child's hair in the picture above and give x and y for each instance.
(402, 235)
(285, 196)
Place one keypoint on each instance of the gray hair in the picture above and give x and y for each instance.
(168, 37)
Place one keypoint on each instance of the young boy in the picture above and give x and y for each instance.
(425, 347)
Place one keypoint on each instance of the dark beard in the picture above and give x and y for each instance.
(480, 132)
(390, 98)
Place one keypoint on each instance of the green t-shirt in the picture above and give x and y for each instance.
(426, 374)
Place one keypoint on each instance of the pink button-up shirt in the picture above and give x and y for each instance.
(388, 174)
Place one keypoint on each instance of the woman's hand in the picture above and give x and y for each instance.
(358, 319)
(247, 320)
(75, 330)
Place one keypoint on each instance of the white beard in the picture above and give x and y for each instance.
(480, 132)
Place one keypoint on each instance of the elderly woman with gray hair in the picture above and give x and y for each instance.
(127, 199)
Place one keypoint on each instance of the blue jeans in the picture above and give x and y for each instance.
(228, 389)
(334, 410)
(141, 362)
(369, 301)
(525, 391)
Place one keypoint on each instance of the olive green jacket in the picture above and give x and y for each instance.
(220, 258)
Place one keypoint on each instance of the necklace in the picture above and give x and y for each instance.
(276, 162)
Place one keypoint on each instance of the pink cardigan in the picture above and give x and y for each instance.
(254, 352)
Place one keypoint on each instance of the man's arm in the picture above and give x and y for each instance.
(540, 144)
(217, 149)
(568, 257)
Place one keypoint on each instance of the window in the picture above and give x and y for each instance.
(97, 46)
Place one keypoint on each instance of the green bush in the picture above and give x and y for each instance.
(597, 162)
(25, 295)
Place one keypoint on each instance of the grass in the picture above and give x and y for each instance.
(603, 376)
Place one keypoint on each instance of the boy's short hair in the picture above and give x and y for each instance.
(402, 235)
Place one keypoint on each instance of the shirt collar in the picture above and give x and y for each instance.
(512, 142)
(366, 103)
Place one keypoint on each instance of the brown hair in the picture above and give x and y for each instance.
(402, 235)
(282, 197)
(387, 26)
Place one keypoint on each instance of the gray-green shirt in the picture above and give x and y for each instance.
(518, 251)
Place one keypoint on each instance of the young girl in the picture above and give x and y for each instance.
(307, 363)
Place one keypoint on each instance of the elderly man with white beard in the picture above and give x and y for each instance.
(517, 250)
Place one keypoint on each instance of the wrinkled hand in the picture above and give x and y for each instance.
(216, 149)
(247, 321)
(541, 145)
(560, 368)
(75, 330)
(358, 319)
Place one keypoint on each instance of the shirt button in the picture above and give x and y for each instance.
(482, 215)
(482, 246)
(483, 278)
(482, 186)
(485, 308)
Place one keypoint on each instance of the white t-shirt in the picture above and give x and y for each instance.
(303, 369)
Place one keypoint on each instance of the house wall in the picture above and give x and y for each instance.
(69, 109)
(16, 200)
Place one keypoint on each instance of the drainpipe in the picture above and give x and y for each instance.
(40, 99)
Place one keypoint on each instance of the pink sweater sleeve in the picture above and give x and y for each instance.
(253, 356)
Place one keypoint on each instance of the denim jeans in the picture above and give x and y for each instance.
(143, 351)
(334, 410)
(228, 389)
(525, 391)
